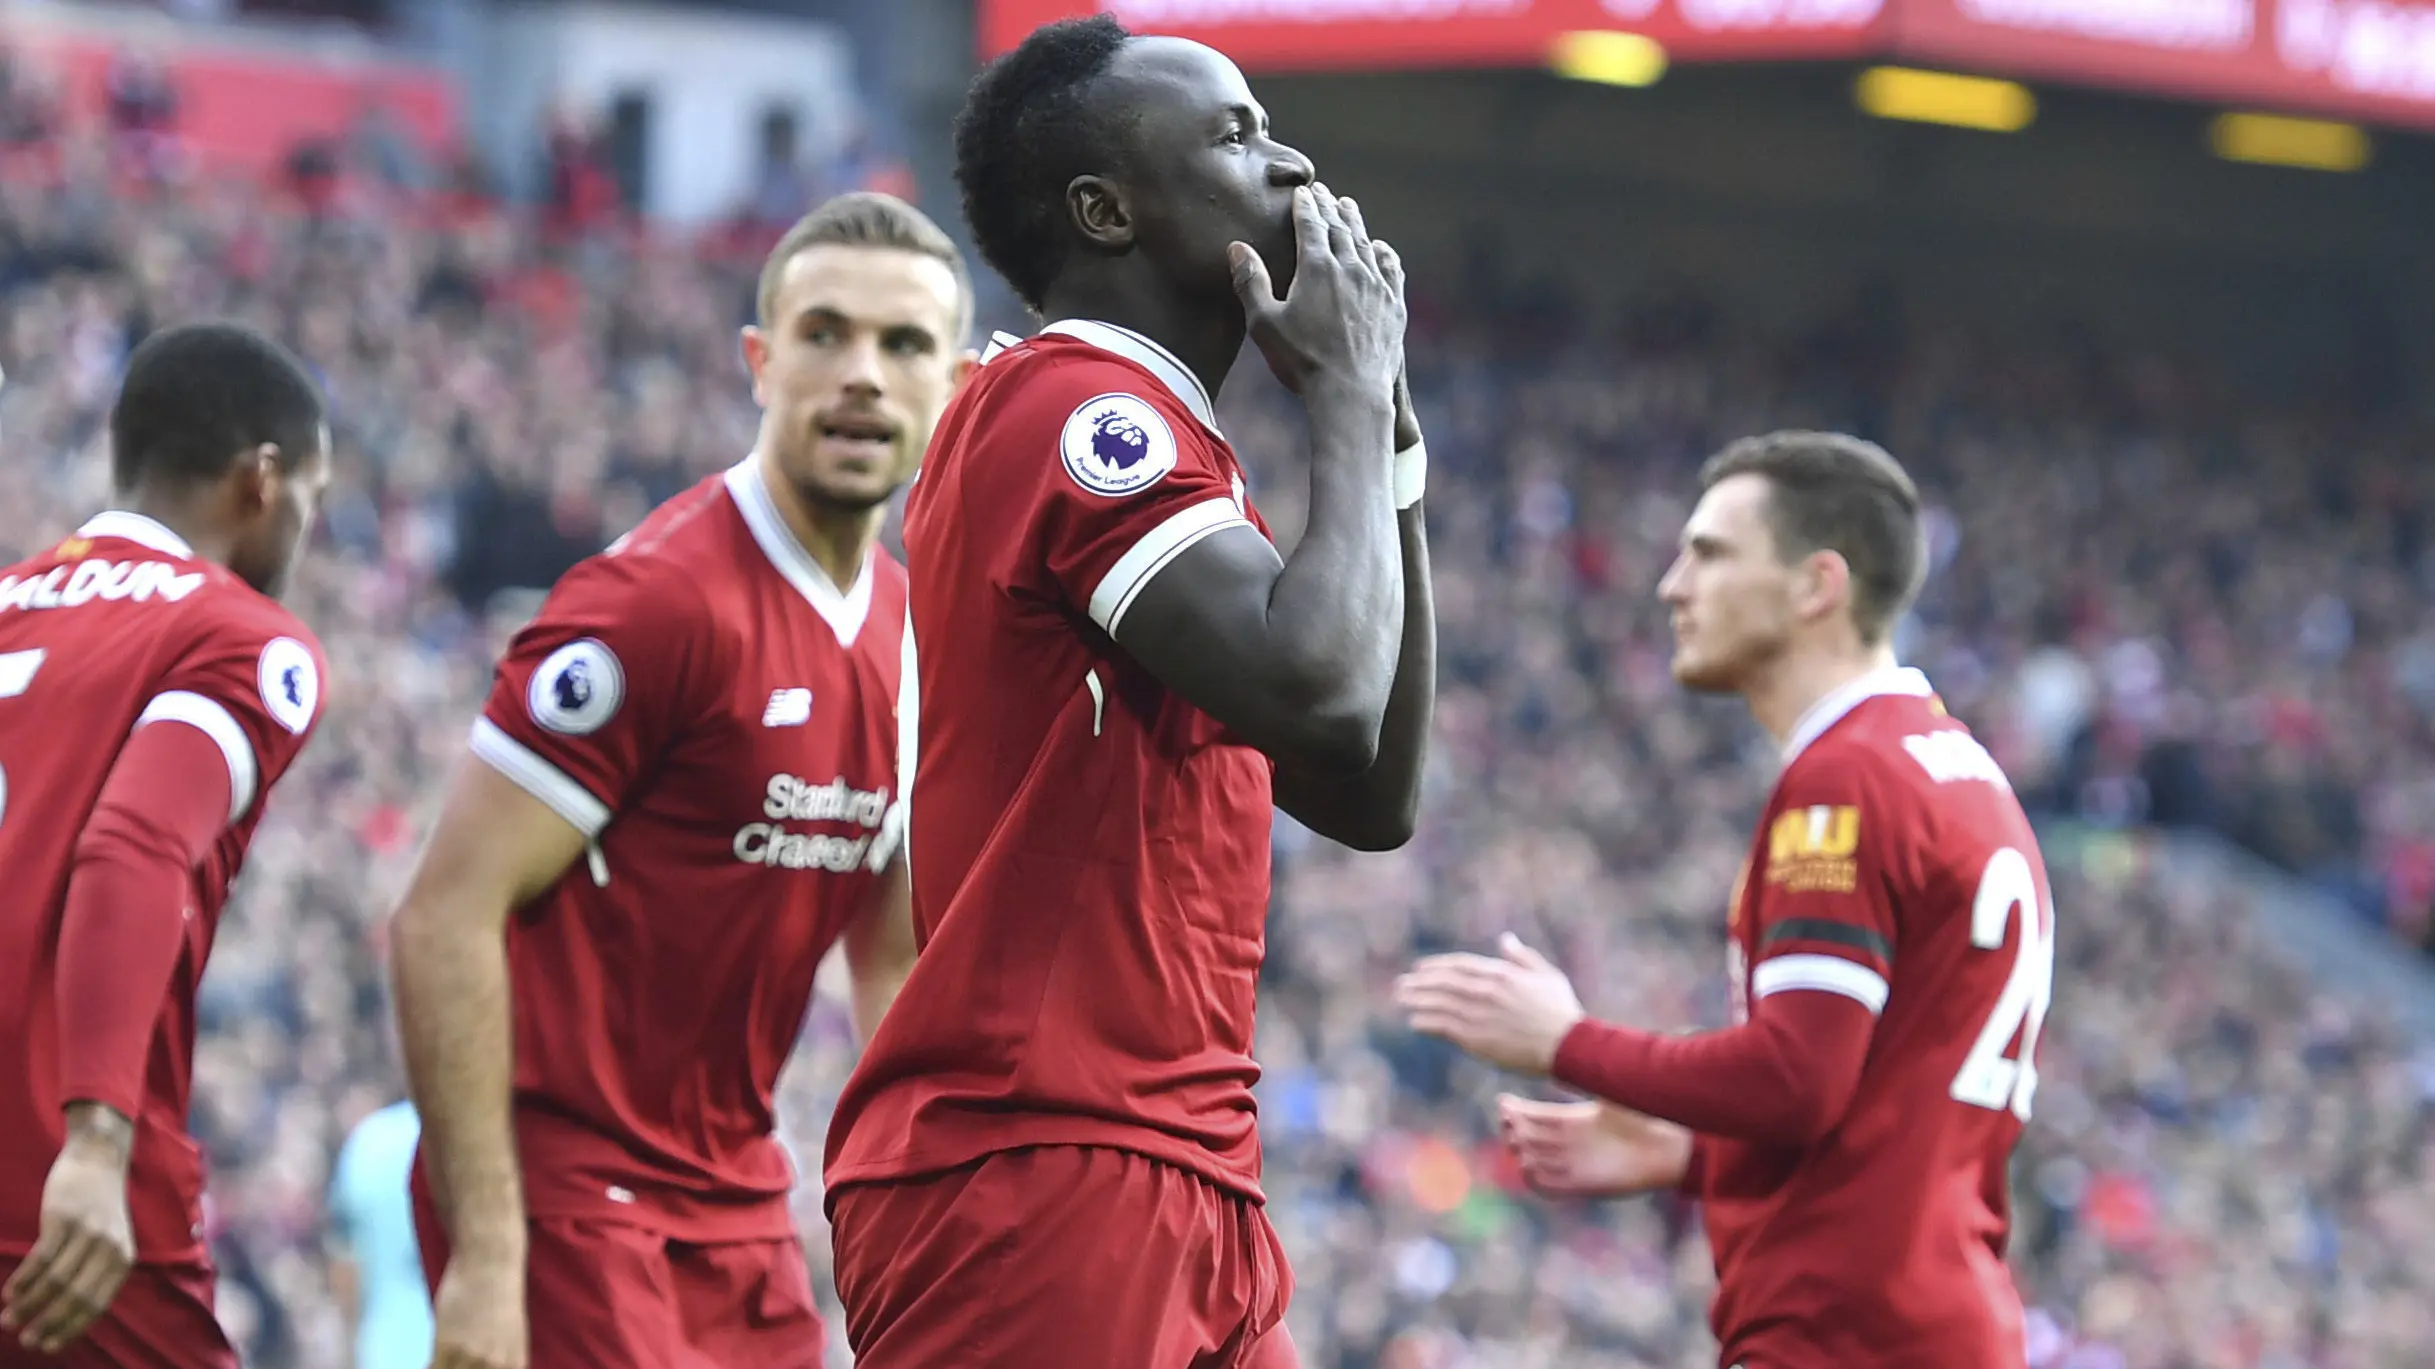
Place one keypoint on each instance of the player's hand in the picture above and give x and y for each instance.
(1407, 418)
(1342, 321)
(1511, 1011)
(1592, 1150)
(477, 1317)
(85, 1246)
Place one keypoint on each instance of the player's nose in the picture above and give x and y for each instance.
(1671, 588)
(1289, 169)
(861, 372)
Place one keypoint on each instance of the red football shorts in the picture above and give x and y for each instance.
(603, 1295)
(161, 1319)
(1060, 1257)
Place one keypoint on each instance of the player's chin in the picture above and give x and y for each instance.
(852, 491)
(1703, 674)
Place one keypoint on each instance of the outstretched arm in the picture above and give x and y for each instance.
(1785, 1077)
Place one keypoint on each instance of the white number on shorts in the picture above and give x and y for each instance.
(1990, 1078)
(16, 674)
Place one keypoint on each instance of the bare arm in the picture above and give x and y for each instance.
(495, 848)
(1377, 809)
(879, 949)
(1297, 656)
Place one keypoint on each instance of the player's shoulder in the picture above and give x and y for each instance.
(1111, 409)
(662, 576)
(1908, 762)
(696, 523)
(1900, 739)
(231, 625)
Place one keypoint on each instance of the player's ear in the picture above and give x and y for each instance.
(756, 356)
(255, 479)
(1825, 585)
(965, 364)
(1100, 214)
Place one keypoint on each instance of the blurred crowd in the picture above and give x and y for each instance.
(2156, 603)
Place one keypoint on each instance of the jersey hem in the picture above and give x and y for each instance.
(1181, 1155)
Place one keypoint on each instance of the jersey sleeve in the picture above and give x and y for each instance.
(1130, 482)
(592, 691)
(1824, 904)
(252, 683)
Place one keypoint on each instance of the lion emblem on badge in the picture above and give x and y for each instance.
(1117, 443)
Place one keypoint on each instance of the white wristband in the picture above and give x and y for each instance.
(1411, 474)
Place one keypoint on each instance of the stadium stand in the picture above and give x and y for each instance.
(2229, 1160)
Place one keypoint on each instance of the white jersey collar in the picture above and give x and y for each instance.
(1141, 351)
(1906, 681)
(843, 610)
(135, 527)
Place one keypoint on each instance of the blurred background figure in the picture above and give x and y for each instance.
(376, 1273)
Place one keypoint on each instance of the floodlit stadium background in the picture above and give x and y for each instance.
(2140, 289)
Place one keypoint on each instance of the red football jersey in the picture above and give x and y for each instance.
(117, 628)
(1090, 851)
(1894, 866)
(718, 717)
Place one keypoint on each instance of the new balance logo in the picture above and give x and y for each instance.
(788, 708)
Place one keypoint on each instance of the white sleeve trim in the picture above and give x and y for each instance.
(1826, 973)
(540, 779)
(208, 716)
(1156, 550)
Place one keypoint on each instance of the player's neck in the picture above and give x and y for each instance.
(180, 512)
(838, 540)
(1206, 340)
(1788, 688)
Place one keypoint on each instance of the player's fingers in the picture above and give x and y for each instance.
(1363, 245)
(36, 1283)
(1433, 996)
(1310, 228)
(1390, 265)
(1451, 965)
(91, 1285)
(98, 1283)
(1251, 283)
(63, 1308)
(1339, 235)
(1520, 953)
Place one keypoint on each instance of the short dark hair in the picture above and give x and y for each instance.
(866, 218)
(1026, 131)
(1832, 492)
(199, 396)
